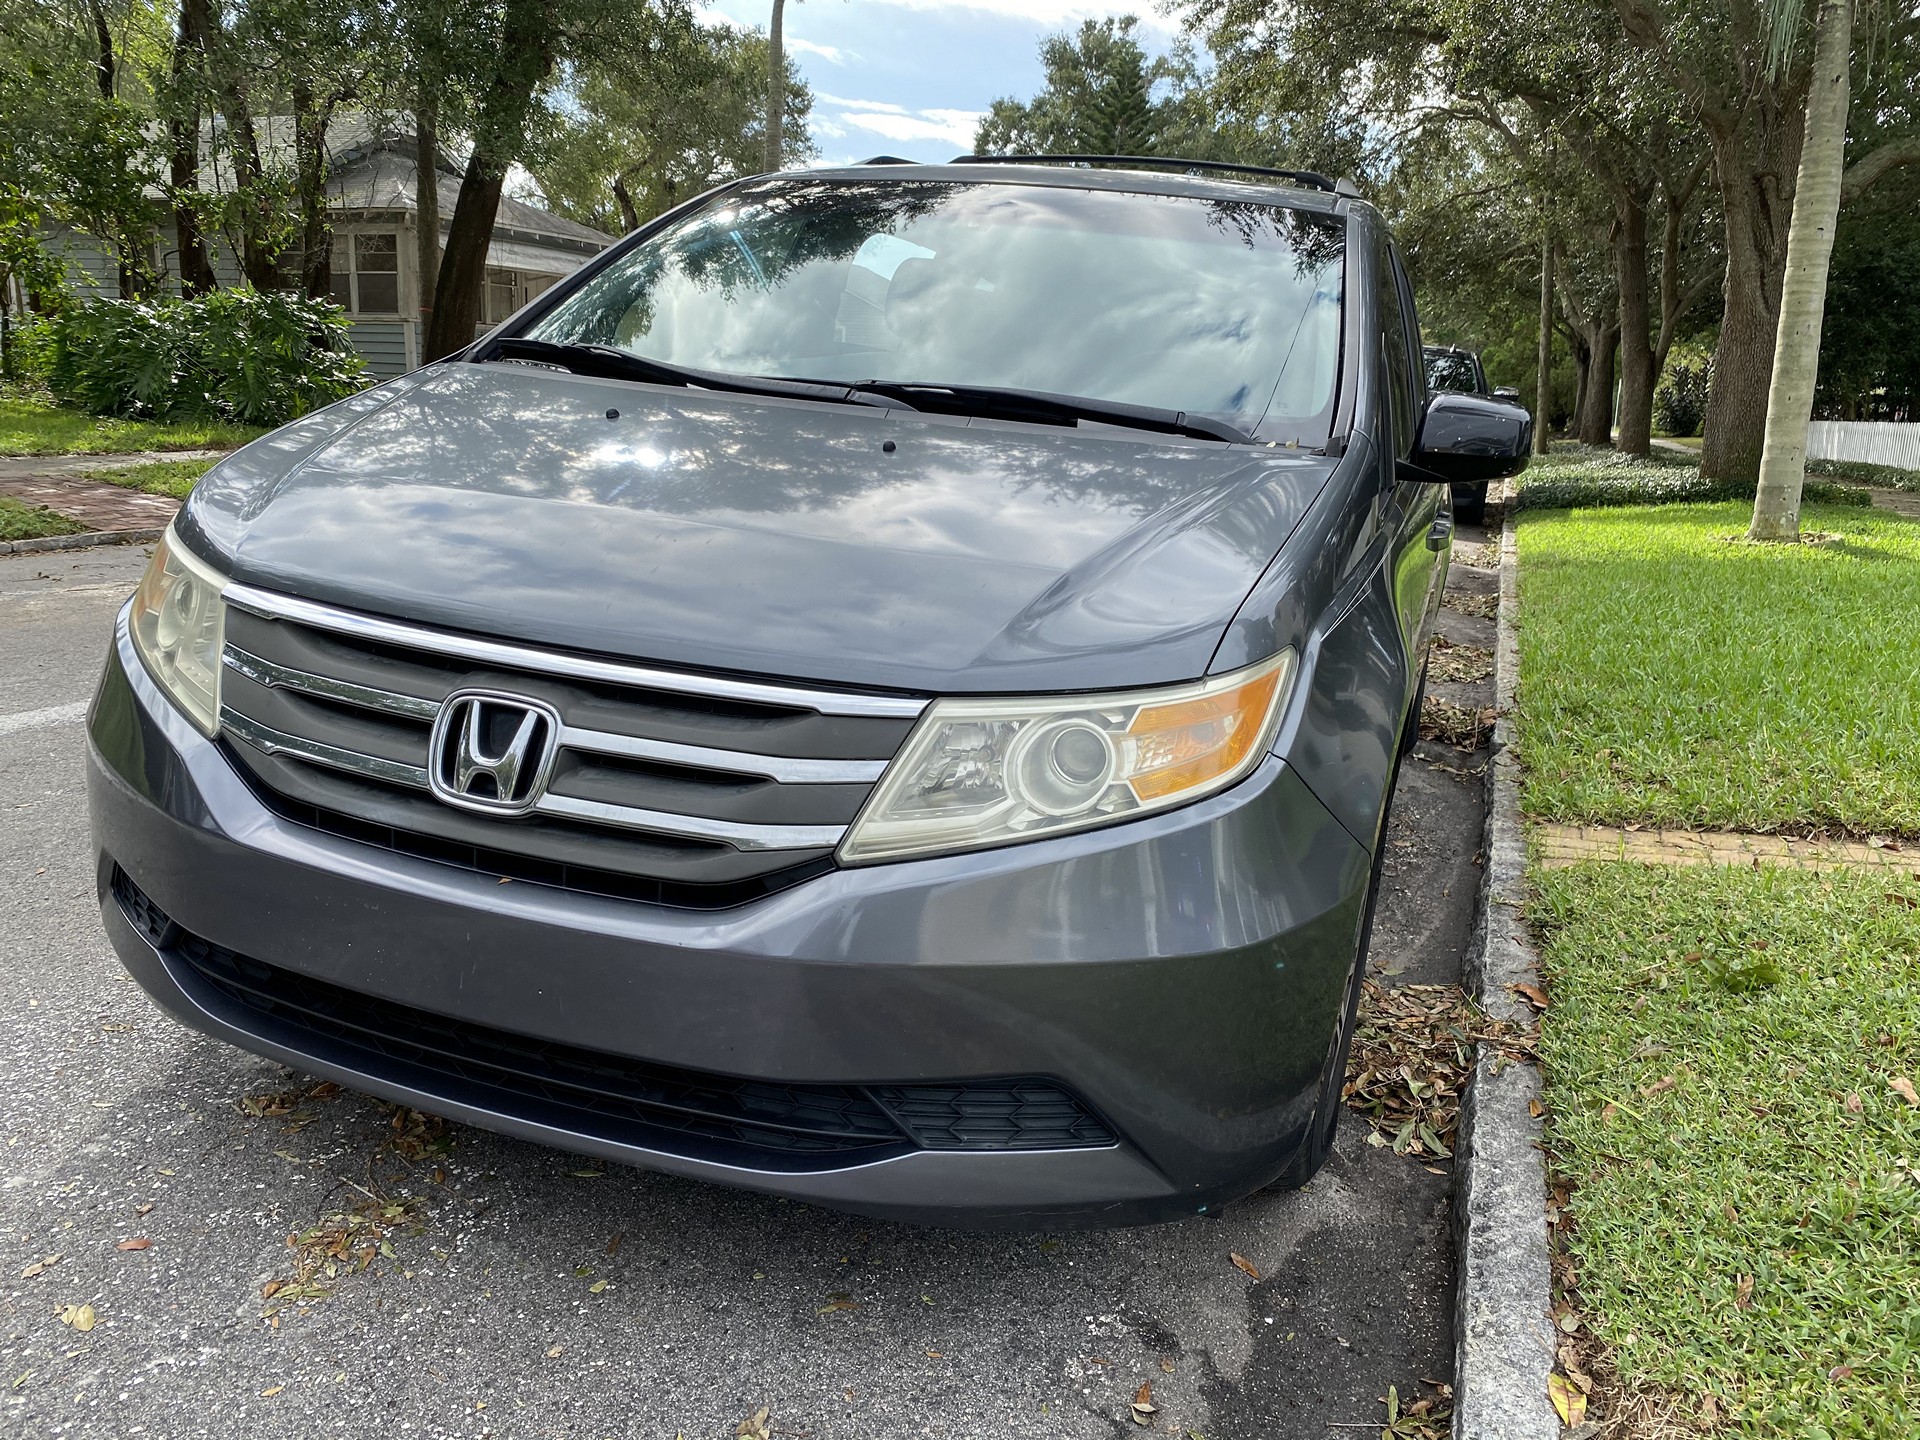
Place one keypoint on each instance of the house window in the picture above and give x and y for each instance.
(508, 290)
(366, 272)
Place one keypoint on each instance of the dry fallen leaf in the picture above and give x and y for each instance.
(936, 1355)
(1532, 994)
(1241, 1262)
(1744, 1298)
(1903, 1087)
(146, 1209)
(40, 1267)
(596, 1287)
(1568, 1402)
(613, 1245)
(556, 1352)
(139, 1242)
(1852, 1104)
(1143, 1406)
(757, 1426)
(1840, 1372)
(271, 1391)
(80, 1317)
(1166, 1365)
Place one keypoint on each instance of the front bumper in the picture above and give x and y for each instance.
(1182, 975)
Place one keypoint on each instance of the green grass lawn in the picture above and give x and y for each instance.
(1673, 674)
(1722, 1051)
(155, 477)
(21, 521)
(34, 425)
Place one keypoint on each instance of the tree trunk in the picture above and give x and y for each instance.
(1637, 374)
(1596, 414)
(463, 268)
(629, 216)
(259, 263)
(776, 87)
(310, 170)
(1755, 160)
(500, 132)
(1543, 371)
(426, 214)
(183, 146)
(103, 62)
(1582, 373)
(1803, 296)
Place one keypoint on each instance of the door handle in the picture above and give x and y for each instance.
(1441, 530)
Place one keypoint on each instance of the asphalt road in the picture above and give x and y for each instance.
(531, 1293)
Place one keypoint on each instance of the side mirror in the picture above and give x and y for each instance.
(1505, 392)
(1470, 438)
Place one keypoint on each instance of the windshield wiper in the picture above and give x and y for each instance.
(1044, 408)
(606, 362)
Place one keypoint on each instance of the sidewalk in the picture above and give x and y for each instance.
(55, 482)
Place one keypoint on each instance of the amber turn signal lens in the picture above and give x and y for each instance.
(1181, 746)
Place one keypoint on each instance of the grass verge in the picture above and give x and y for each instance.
(21, 521)
(1729, 1058)
(155, 477)
(1673, 674)
(33, 425)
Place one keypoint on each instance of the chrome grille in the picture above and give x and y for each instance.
(712, 787)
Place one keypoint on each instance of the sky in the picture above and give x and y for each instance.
(912, 77)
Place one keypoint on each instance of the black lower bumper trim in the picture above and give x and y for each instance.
(688, 1112)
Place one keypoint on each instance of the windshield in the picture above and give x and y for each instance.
(1223, 308)
(1451, 370)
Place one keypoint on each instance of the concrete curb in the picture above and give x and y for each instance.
(1504, 1335)
(79, 542)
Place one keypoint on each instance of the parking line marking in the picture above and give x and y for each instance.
(35, 719)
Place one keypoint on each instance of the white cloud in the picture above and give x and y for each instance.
(840, 102)
(953, 127)
(832, 54)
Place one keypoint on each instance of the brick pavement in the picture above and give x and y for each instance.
(1562, 845)
(93, 503)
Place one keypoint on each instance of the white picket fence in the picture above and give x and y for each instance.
(1880, 442)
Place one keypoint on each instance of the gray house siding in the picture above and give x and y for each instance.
(382, 344)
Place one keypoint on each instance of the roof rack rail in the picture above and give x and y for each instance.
(1308, 179)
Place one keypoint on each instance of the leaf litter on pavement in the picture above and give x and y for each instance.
(1413, 1052)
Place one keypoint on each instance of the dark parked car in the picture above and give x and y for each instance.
(1450, 368)
(884, 688)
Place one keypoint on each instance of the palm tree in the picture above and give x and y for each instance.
(1803, 293)
(776, 85)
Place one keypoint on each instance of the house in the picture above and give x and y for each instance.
(373, 187)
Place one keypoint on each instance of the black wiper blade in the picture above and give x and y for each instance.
(1045, 408)
(606, 362)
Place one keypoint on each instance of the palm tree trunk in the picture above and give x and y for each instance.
(776, 86)
(1803, 293)
(1543, 373)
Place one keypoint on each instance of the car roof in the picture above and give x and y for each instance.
(1215, 185)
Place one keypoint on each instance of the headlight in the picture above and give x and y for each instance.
(987, 772)
(179, 623)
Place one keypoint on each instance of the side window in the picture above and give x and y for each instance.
(1399, 360)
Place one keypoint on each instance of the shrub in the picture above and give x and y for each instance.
(241, 355)
(1865, 472)
(1603, 479)
(1680, 399)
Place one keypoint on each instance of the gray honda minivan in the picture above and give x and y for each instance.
(883, 688)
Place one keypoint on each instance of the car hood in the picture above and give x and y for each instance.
(770, 537)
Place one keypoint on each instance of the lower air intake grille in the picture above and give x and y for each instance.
(689, 1112)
